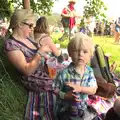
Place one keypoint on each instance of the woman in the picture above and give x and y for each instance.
(26, 56)
(42, 35)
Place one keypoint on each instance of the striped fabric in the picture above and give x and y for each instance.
(40, 106)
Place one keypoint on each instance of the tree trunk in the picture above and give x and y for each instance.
(26, 4)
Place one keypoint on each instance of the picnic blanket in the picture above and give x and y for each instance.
(101, 105)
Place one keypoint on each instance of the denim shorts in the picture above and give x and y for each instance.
(117, 28)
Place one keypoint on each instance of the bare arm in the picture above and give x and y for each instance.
(88, 90)
(17, 58)
(52, 46)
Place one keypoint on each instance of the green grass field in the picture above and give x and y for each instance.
(107, 44)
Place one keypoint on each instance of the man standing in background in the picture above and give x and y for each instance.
(68, 19)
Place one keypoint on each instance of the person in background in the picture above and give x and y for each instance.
(73, 85)
(112, 27)
(114, 112)
(117, 30)
(66, 61)
(68, 19)
(90, 25)
(42, 35)
(26, 56)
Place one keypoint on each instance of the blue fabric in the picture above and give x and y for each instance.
(70, 75)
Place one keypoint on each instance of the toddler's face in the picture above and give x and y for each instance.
(82, 55)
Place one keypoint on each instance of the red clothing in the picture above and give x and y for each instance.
(72, 19)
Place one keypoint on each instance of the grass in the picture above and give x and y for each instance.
(106, 43)
(12, 95)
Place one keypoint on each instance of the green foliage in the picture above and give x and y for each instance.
(54, 19)
(94, 8)
(42, 6)
(5, 8)
(12, 94)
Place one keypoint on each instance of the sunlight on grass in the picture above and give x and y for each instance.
(106, 42)
(108, 45)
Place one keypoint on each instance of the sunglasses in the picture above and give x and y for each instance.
(30, 25)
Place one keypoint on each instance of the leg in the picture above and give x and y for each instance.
(116, 36)
(65, 34)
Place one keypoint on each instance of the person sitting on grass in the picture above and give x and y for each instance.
(66, 61)
(73, 84)
(42, 35)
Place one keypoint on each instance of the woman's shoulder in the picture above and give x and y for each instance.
(11, 44)
(10, 40)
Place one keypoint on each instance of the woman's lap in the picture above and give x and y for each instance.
(40, 106)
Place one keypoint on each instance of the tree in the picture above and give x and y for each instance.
(38, 6)
(5, 8)
(94, 8)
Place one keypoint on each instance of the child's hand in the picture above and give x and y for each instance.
(76, 87)
(71, 96)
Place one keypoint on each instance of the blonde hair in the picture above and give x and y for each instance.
(20, 15)
(77, 42)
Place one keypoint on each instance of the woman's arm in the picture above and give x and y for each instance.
(17, 58)
(52, 46)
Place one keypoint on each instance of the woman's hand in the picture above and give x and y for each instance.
(45, 49)
(76, 88)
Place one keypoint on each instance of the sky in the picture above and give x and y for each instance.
(112, 5)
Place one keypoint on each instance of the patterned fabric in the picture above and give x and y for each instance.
(70, 75)
(101, 105)
(40, 98)
(40, 106)
(37, 81)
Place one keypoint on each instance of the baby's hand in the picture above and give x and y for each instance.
(71, 96)
(76, 88)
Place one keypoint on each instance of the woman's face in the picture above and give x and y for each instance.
(28, 27)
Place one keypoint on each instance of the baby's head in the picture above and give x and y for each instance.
(81, 48)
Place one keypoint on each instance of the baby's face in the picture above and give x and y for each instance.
(82, 55)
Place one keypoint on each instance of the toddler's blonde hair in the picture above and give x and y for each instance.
(77, 42)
